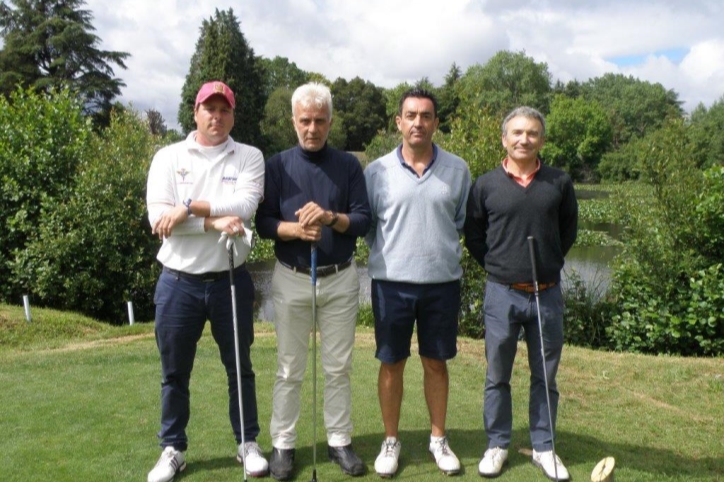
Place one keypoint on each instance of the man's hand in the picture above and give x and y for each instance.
(311, 213)
(309, 233)
(168, 220)
(231, 225)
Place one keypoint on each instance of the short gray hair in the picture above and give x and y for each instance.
(524, 111)
(312, 93)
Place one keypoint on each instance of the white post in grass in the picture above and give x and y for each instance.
(131, 319)
(26, 305)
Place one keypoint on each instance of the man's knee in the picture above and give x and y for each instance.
(434, 367)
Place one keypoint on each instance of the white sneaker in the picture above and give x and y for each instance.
(386, 463)
(169, 464)
(492, 462)
(544, 460)
(256, 464)
(444, 456)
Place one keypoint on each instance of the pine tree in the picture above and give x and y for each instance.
(50, 44)
(222, 53)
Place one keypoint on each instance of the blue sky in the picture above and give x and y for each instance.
(675, 55)
(678, 44)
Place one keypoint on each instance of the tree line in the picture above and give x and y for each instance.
(594, 127)
(75, 234)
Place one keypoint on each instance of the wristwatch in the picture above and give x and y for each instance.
(335, 217)
(187, 203)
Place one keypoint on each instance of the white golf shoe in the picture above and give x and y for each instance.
(445, 458)
(544, 460)
(491, 465)
(386, 463)
(256, 464)
(169, 464)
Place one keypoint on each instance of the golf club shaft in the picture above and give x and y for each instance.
(314, 359)
(236, 354)
(533, 262)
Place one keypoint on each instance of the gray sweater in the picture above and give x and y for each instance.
(501, 214)
(416, 222)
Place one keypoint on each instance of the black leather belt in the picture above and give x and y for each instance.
(207, 277)
(322, 271)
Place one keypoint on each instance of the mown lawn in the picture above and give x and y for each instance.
(80, 402)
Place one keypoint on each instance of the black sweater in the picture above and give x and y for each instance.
(501, 214)
(331, 178)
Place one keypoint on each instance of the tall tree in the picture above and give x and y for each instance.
(392, 103)
(635, 107)
(361, 106)
(50, 44)
(507, 80)
(279, 72)
(707, 133)
(577, 135)
(448, 98)
(277, 122)
(156, 122)
(222, 53)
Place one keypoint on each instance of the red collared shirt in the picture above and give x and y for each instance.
(523, 181)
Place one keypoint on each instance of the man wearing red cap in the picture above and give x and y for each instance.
(198, 189)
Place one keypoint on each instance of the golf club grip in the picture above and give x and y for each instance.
(231, 263)
(314, 264)
(533, 258)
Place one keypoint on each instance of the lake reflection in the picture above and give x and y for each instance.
(592, 265)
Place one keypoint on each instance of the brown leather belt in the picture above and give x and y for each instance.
(530, 287)
(322, 271)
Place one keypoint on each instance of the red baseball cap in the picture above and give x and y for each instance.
(215, 88)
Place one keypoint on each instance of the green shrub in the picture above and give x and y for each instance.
(667, 284)
(96, 252)
(383, 143)
(709, 214)
(43, 142)
(474, 136)
(472, 292)
(690, 321)
(365, 316)
(587, 314)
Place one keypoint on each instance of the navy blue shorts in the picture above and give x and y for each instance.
(397, 306)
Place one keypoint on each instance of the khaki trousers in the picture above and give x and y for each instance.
(337, 306)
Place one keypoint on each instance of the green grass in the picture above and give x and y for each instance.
(80, 402)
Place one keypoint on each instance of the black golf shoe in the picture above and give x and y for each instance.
(281, 464)
(348, 461)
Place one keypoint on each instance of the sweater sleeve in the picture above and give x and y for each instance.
(476, 223)
(370, 185)
(568, 218)
(249, 187)
(359, 207)
(461, 209)
(269, 215)
(161, 195)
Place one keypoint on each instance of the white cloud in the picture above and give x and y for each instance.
(391, 41)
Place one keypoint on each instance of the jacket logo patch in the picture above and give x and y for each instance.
(182, 174)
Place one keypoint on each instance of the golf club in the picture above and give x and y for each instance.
(533, 259)
(231, 248)
(314, 361)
